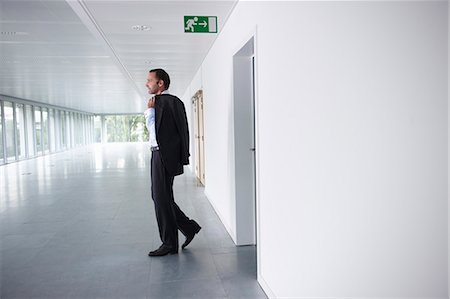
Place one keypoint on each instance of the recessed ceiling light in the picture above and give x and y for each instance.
(141, 28)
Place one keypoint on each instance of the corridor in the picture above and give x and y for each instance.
(79, 224)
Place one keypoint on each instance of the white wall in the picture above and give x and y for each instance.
(352, 145)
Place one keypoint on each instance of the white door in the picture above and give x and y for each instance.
(199, 136)
(244, 144)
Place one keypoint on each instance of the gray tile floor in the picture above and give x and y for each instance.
(79, 224)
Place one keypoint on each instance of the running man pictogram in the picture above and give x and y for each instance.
(190, 24)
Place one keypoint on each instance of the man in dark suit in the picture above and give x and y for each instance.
(169, 142)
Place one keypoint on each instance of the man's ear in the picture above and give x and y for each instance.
(161, 83)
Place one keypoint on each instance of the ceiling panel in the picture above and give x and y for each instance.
(85, 55)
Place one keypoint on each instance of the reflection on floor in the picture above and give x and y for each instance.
(79, 224)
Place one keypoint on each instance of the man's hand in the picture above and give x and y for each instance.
(151, 103)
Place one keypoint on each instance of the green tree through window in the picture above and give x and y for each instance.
(125, 128)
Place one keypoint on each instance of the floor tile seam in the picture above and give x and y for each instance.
(24, 234)
(18, 247)
(38, 247)
(79, 234)
(217, 269)
(128, 267)
(201, 278)
(40, 222)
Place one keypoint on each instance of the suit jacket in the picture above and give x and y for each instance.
(172, 133)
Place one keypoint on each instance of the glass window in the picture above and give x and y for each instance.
(69, 129)
(91, 128)
(57, 129)
(9, 130)
(111, 128)
(38, 127)
(72, 129)
(88, 129)
(85, 131)
(81, 129)
(1, 135)
(63, 130)
(75, 129)
(78, 129)
(45, 137)
(30, 130)
(20, 131)
(125, 128)
(138, 128)
(98, 128)
(51, 127)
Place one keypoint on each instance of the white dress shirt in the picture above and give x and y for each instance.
(150, 123)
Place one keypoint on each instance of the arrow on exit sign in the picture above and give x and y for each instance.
(200, 24)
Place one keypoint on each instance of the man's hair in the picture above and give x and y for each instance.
(162, 75)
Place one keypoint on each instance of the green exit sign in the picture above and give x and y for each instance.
(200, 24)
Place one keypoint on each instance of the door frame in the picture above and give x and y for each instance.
(199, 136)
(252, 35)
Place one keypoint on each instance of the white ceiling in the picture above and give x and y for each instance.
(85, 55)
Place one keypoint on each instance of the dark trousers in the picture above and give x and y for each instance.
(169, 216)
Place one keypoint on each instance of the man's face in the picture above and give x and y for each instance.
(153, 84)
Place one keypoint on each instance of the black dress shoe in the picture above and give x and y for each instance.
(163, 250)
(191, 236)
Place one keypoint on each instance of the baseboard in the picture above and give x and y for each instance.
(270, 294)
(222, 219)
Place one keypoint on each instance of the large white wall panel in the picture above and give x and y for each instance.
(352, 145)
